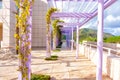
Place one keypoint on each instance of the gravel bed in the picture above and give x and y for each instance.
(8, 54)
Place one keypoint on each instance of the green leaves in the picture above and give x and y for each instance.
(48, 20)
(55, 27)
(22, 34)
(113, 39)
(49, 13)
(40, 77)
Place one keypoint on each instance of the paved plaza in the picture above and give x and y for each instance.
(67, 67)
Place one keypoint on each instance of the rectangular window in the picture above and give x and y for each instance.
(1, 31)
(0, 4)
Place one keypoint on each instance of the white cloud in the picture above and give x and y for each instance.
(111, 18)
(114, 31)
(112, 24)
(112, 21)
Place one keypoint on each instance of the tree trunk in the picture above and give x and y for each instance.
(17, 32)
(17, 40)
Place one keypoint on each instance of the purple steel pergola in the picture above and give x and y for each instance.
(86, 10)
(75, 15)
(86, 16)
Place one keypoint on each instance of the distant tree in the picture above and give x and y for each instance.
(113, 39)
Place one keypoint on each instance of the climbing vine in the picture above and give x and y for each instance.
(48, 34)
(55, 33)
(23, 24)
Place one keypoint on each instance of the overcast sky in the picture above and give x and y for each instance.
(111, 19)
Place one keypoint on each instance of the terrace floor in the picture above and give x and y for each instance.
(67, 67)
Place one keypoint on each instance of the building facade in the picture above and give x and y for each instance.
(7, 19)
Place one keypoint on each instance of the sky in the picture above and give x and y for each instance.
(111, 20)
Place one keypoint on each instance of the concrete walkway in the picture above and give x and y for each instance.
(66, 68)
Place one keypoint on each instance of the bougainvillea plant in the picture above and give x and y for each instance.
(48, 34)
(55, 32)
(24, 24)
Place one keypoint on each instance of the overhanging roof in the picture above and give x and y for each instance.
(74, 15)
(76, 12)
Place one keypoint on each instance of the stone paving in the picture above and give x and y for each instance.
(67, 67)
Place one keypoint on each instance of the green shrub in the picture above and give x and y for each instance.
(113, 39)
(56, 50)
(52, 58)
(40, 77)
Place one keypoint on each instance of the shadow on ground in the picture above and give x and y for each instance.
(74, 78)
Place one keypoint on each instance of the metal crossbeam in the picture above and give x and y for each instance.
(68, 28)
(73, 0)
(69, 24)
(72, 15)
(107, 4)
(80, 15)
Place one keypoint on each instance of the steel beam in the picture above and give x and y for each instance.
(71, 15)
(100, 40)
(106, 5)
(77, 41)
(74, 0)
(72, 41)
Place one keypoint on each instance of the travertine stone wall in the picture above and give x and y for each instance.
(12, 22)
(39, 25)
(5, 19)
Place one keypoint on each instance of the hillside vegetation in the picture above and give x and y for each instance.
(91, 35)
(113, 39)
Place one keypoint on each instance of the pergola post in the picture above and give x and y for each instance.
(25, 50)
(72, 41)
(51, 40)
(48, 43)
(100, 40)
(29, 29)
(67, 39)
(77, 41)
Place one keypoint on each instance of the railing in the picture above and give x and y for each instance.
(111, 58)
(110, 51)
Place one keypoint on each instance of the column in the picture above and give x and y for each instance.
(48, 41)
(100, 40)
(72, 41)
(51, 38)
(77, 42)
(67, 36)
